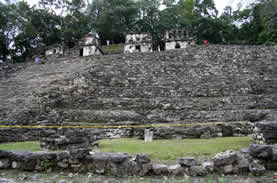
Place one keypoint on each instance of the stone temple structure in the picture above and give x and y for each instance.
(138, 42)
(54, 50)
(175, 39)
(90, 45)
(86, 46)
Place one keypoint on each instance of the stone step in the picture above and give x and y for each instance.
(207, 83)
(164, 116)
(172, 103)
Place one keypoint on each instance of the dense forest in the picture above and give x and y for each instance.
(23, 28)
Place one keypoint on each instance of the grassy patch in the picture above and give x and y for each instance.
(158, 149)
(173, 149)
(21, 146)
(113, 49)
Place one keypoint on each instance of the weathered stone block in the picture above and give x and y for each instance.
(188, 161)
(242, 163)
(265, 132)
(16, 165)
(228, 169)
(176, 170)
(261, 151)
(208, 166)
(5, 163)
(226, 158)
(148, 135)
(160, 169)
(257, 169)
(142, 159)
(197, 171)
(79, 153)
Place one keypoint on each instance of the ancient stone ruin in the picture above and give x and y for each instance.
(54, 50)
(256, 160)
(148, 135)
(90, 45)
(198, 84)
(176, 39)
(189, 87)
(265, 132)
(63, 139)
(138, 42)
(87, 46)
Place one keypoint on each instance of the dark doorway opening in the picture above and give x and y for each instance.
(55, 51)
(138, 48)
(82, 52)
(177, 46)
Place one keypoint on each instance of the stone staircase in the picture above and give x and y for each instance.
(199, 84)
(17, 92)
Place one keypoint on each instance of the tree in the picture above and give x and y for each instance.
(5, 31)
(269, 21)
(114, 18)
(206, 8)
(190, 15)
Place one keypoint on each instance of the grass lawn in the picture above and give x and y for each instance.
(113, 49)
(158, 149)
(174, 149)
(21, 146)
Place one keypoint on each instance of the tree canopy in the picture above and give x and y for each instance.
(24, 28)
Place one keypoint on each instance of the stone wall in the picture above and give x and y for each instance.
(198, 84)
(61, 138)
(174, 45)
(213, 83)
(197, 131)
(257, 160)
(138, 48)
(74, 138)
(90, 50)
(18, 135)
(266, 132)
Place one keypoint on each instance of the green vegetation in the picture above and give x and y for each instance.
(158, 149)
(173, 149)
(113, 49)
(29, 29)
(21, 146)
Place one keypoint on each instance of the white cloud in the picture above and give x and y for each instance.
(32, 2)
(221, 4)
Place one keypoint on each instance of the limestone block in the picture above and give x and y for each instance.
(176, 170)
(261, 151)
(160, 169)
(4, 163)
(148, 135)
(256, 168)
(208, 166)
(188, 161)
(16, 165)
(223, 159)
(197, 171)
